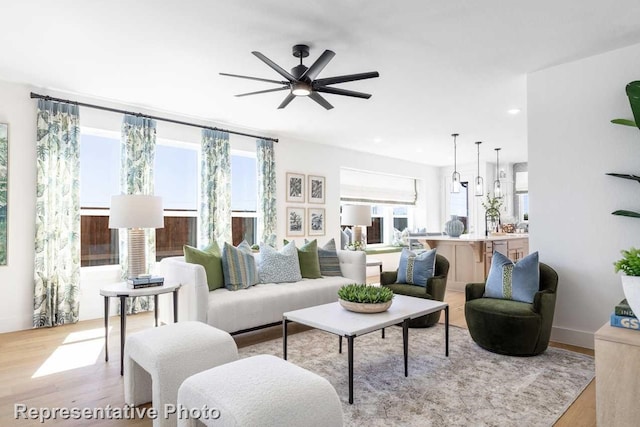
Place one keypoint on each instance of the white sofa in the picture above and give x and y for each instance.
(259, 305)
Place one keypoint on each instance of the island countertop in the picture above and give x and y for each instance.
(473, 237)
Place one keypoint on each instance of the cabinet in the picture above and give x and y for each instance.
(617, 353)
(514, 249)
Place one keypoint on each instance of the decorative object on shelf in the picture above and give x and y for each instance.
(4, 179)
(295, 187)
(479, 190)
(316, 189)
(509, 228)
(136, 212)
(633, 92)
(455, 176)
(358, 217)
(497, 187)
(629, 264)
(454, 227)
(316, 221)
(295, 222)
(355, 246)
(365, 298)
(492, 214)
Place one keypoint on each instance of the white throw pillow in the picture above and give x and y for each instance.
(279, 266)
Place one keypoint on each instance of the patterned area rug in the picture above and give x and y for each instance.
(472, 387)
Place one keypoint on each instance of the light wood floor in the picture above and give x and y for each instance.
(65, 367)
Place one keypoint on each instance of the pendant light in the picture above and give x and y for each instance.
(497, 188)
(479, 180)
(455, 177)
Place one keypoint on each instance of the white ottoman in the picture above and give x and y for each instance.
(258, 391)
(157, 360)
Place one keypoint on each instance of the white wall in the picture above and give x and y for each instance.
(19, 111)
(572, 144)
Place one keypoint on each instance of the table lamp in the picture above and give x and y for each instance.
(359, 217)
(135, 213)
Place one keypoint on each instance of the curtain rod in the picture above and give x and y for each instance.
(116, 110)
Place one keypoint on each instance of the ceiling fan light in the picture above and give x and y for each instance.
(301, 89)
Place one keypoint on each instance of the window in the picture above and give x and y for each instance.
(459, 204)
(523, 207)
(244, 198)
(375, 232)
(400, 218)
(100, 179)
(384, 219)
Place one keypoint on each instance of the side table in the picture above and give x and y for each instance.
(372, 262)
(122, 291)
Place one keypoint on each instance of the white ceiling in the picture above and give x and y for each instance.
(445, 66)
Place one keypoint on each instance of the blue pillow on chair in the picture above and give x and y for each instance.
(518, 282)
(416, 268)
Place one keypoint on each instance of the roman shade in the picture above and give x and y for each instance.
(375, 187)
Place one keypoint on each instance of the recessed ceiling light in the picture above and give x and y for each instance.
(514, 111)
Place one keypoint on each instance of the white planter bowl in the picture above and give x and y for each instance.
(631, 288)
(359, 307)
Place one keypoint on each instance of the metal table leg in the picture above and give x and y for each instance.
(446, 331)
(405, 343)
(123, 330)
(175, 305)
(350, 347)
(106, 329)
(155, 308)
(284, 338)
(340, 344)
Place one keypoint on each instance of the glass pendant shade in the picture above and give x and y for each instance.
(455, 176)
(497, 187)
(479, 191)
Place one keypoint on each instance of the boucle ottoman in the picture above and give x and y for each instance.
(258, 391)
(157, 360)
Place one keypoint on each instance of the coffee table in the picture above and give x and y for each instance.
(335, 319)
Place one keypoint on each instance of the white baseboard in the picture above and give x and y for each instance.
(572, 337)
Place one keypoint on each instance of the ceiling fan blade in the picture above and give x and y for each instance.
(286, 101)
(275, 66)
(320, 100)
(264, 91)
(319, 65)
(337, 91)
(254, 78)
(345, 78)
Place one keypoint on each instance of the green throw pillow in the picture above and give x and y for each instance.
(211, 259)
(309, 261)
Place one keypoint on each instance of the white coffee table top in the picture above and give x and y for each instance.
(121, 289)
(334, 318)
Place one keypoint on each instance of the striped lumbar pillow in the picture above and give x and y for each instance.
(238, 266)
(328, 257)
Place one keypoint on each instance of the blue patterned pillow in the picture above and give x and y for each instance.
(416, 268)
(238, 266)
(279, 266)
(518, 282)
(328, 257)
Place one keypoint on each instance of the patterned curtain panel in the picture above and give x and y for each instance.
(215, 185)
(138, 147)
(266, 190)
(57, 239)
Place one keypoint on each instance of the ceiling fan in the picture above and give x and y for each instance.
(302, 79)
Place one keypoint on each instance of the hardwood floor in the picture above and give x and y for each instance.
(64, 367)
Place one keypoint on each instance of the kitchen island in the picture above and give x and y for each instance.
(470, 255)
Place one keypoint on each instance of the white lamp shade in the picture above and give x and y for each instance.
(136, 211)
(356, 215)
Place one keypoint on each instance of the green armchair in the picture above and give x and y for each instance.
(436, 286)
(512, 327)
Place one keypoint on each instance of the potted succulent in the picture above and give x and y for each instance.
(629, 264)
(365, 298)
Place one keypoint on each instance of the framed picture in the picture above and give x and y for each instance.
(316, 221)
(4, 185)
(295, 221)
(316, 189)
(295, 187)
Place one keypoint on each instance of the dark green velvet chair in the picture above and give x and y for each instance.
(512, 327)
(436, 286)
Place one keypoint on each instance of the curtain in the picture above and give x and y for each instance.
(266, 191)
(138, 147)
(57, 237)
(215, 185)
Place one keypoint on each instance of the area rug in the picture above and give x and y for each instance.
(472, 387)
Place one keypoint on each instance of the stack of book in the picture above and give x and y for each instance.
(145, 281)
(623, 317)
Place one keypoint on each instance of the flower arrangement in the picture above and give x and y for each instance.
(355, 246)
(629, 264)
(492, 206)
